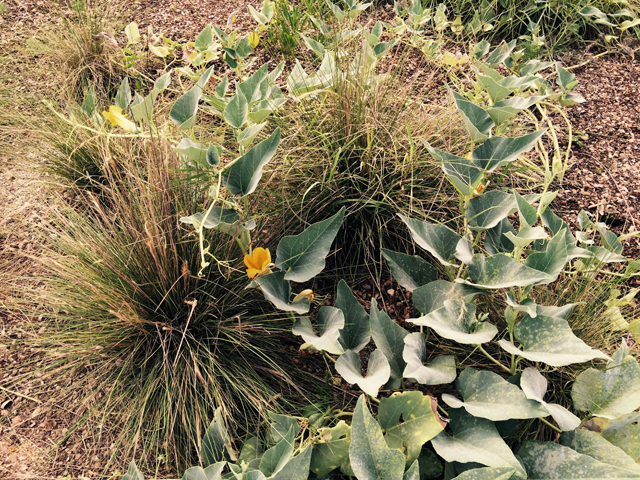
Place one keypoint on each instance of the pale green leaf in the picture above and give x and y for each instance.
(235, 113)
(246, 136)
(357, 328)
(549, 340)
(204, 39)
(624, 432)
(133, 473)
(216, 444)
(499, 151)
(500, 54)
(566, 80)
(123, 96)
(274, 459)
(277, 290)
(528, 214)
(438, 240)
(243, 175)
(133, 33)
(389, 339)
(410, 271)
(475, 440)
(409, 420)
(413, 472)
(487, 473)
(486, 211)
(526, 235)
(214, 472)
(332, 450)
(463, 173)
(501, 271)
(370, 457)
(440, 371)
(330, 321)
(612, 392)
(488, 395)
(496, 92)
(477, 122)
(552, 260)
(162, 82)
(217, 215)
(432, 296)
(143, 110)
(184, 110)
(597, 447)
(297, 468)
(378, 371)
(509, 107)
(302, 256)
(496, 241)
(457, 321)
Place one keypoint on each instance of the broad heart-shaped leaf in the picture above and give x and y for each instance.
(566, 80)
(162, 82)
(378, 371)
(475, 440)
(461, 172)
(369, 455)
(196, 473)
(144, 109)
(216, 216)
(216, 445)
(297, 468)
(501, 271)
(549, 340)
(243, 175)
(438, 240)
(504, 110)
(248, 474)
(410, 271)
(496, 241)
(457, 321)
(413, 472)
(251, 450)
(123, 97)
(302, 256)
(235, 113)
(613, 392)
(488, 395)
(409, 420)
(432, 296)
(500, 54)
(534, 386)
(330, 321)
(214, 472)
(332, 450)
(487, 473)
(597, 447)
(552, 261)
(277, 290)
(274, 459)
(204, 39)
(550, 461)
(184, 110)
(498, 151)
(357, 328)
(486, 211)
(440, 371)
(624, 432)
(496, 91)
(389, 339)
(477, 122)
(280, 426)
(246, 136)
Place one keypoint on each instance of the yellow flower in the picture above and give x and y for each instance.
(304, 294)
(115, 116)
(258, 262)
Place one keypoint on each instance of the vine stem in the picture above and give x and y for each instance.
(551, 425)
(493, 359)
(327, 356)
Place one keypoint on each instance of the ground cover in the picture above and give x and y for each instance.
(24, 424)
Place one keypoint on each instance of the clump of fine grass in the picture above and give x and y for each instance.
(136, 341)
(359, 145)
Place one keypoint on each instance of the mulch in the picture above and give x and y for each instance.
(604, 180)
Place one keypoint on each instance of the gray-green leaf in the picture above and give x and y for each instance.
(332, 450)
(438, 240)
(371, 458)
(488, 395)
(477, 122)
(216, 445)
(277, 290)
(432, 296)
(378, 371)
(410, 271)
(302, 256)
(440, 371)
(357, 329)
(235, 113)
(389, 339)
(501, 271)
(330, 321)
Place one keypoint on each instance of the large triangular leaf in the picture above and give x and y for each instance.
(495, 240)
(280, 426)
(123, 96)
(612, 392)
(274, 459)
(504, 110)
(624, 432)
(477, 122)
(235, 113)
(409, 420)
(500, 54)
(487, 473)
(332, 450)
(498, 151)
(501, 271)
(297, 468)
(486, 211)
(597, 447)
(488, 395)
(438, 240)
(463, 173)
(371, 458)
(389, 339)
(357, 330)
(552, 261)
(378, 371)
(330, 321)
(496, 91)
(302, 256)
(432, 296)
(216, 445)
(133, 473)
(475, 440)
(277, 290)
(243, 175)
(534, 386)
(410, 271)
(457, 321)
(441, 370)
(184, 110)
(549, 340)
(550, 461)
(217, 215)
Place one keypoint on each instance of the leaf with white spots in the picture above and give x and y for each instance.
(409, 419)
(332, 450)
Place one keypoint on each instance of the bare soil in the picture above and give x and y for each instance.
(604, 180)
